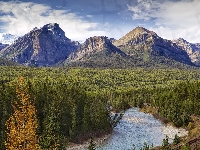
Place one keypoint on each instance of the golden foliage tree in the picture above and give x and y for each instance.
(22, 125)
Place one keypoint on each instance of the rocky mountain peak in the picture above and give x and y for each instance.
(95, 42)
(51, 26)
(54, 30)
(139, 29)
(94, 45)
(193, 50)
(137, 35)
(180, 41)
(41, 47)
(140, 41)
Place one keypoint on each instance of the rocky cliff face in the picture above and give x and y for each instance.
(97, 51)
(48, 46)
(94, 45)
(140, 42)
(41, 47)
(193, 50)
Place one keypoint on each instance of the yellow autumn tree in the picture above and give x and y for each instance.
(22, 124)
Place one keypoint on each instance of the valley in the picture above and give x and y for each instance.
(76, 93)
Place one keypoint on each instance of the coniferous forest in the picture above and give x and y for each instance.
(74, 104)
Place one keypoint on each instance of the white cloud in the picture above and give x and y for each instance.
(1, 37)
(89, 16)
(172, 19)
(19, 18)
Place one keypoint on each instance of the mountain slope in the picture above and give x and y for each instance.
(94, 45)
(96, 51)
(142, 43)
(2, 46)
(48, 46)
(41, 47)
(193, 50)
(5, 62)
(99, 52)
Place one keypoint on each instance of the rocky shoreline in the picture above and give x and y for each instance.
(85, 145)
(167, 129)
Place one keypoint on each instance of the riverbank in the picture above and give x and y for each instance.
(134, 128)
(190, 134)
(169, 129)
(97, 141)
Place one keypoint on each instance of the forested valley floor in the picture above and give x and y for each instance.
(73, 104)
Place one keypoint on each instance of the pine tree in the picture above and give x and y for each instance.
(165, 143)
(176, 139)
(22, 124)
(92, 144)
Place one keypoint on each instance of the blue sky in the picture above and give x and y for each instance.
(81, 19)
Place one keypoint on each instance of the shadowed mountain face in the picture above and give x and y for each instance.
(94, 45)
(99, 52)
(48, 46)
(41, 47)
(96, 51)
(5, 62)
(193, 50)
(142, 43)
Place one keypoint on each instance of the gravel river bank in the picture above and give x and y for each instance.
(135, 128)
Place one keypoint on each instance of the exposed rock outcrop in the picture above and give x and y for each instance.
(193, 50)
(140, 42)
(94, 45)
(41, 47)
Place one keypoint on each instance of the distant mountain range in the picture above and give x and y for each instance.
(7, 38)
(193, 50)
(48, 46)
(2, 46)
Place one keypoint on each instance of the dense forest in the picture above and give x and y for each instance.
(73, 104)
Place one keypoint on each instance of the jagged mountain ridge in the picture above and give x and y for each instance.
(193, 50)
(140, 42)
(94, 45)
(48, 46)
(41, 47)
(97, 51)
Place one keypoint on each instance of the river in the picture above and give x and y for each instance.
(136, 128)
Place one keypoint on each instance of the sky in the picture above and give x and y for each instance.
(81, 19)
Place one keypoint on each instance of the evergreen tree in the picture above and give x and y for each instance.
(176, 139)
(165, 143)
(92, 144)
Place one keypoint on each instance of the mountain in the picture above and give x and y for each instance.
(41, 47)
(48, 46)
(193, 50)
(5, 62)
(142, 43)
(7, 38)
(95, 45)
(100, 52)
(2, 46)
(97, 51)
